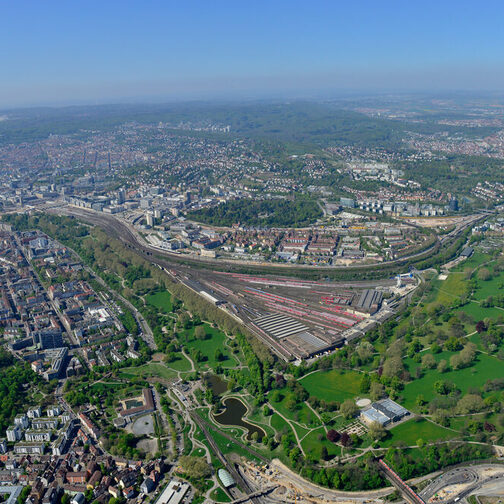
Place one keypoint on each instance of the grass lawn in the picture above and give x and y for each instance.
(279, 424)
(480, 313)
(152, 369)
(302, 414)
(208, 347)
(447, 290)
(485, 368)
(115, 389)
(218, 495)
(410, 431)
(161, 301)
(489, 287)
(334, 385)
(473, 262)
(181, 364)
(198, 452)
(312, 445)
(258, 418)
(228, 446)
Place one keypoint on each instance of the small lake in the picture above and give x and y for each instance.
(233, 415)
(218, 385)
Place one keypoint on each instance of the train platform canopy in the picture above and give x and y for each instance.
(280, 326)
(467, 252)
(225, 478)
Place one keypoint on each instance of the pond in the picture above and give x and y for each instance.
(233, 415)
(218, 385)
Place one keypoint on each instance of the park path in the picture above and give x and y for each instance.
(289, 422)
(193, 369)
(317, 415)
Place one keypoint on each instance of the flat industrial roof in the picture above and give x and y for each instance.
(376, 416)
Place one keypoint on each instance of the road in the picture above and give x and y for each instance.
(147, 334)
(470, 479)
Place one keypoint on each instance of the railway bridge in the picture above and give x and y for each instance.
(406, 491)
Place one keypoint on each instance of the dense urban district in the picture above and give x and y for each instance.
(266, 303)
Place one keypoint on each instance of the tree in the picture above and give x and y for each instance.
(195, 467)
(376, 391)
(455, 361)
(365, 351)
(219, 356)
(443, 387)
(291, 404)
(200, 332)
(414, 347)
(480, 326)
(442, 366)
(465, 357)
(489, 427)
(453, 344)
(365, 384)
(441, 417)
(428, 361)
(324, 454)
(484, 274)
(345, 439)
(276, 396)
(294, 454)
(420, 400)
(377, 431)
(393, 367)
(396, 349)
(468, 353)
(333, 435)
(183, 320)
(470, 403)
(348, 408)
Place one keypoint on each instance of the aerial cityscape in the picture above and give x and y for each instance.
(252, 253)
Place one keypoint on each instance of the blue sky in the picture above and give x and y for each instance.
(89, 51)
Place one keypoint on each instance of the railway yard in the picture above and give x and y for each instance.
(296, 318)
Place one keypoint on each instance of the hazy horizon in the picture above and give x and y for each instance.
(58, 53)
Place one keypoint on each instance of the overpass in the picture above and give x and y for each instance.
(406, 491)
(259, 493)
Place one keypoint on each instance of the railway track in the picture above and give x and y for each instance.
(117, 229)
